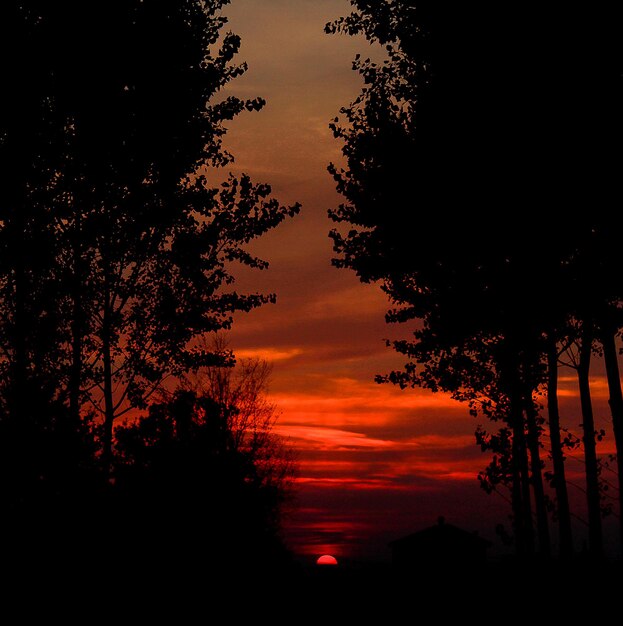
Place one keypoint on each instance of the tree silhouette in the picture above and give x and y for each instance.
(490, 266)
(204, 474)
(118, 248)
(46, 455)
(557, 478)
(599, 300)
(580, 354)
(408, 107)
(142, 241)
(30, 134)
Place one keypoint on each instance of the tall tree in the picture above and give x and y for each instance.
(598, 67)
(426, 100)
(580, 355)
(558, 458)
(29, 135)
(466, 103)
(144, 242)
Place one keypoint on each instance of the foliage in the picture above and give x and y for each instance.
(206, 463)
(118, 248)
(463, 152)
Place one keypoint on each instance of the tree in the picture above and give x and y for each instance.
(204, 474)
(142, 241)
(30, 133)
(427, 100)
(467, 103)
(598, 295)
(46, 455)
(580, 354)
(558, 479)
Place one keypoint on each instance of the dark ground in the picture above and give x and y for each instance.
(214, 593)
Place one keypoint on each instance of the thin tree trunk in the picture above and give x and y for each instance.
(75, 377)
(558, 459)
(590, 452)
(517, 505)
(524, 526)
(616, 408)
(109, 408)
(537, 479)
(525, 489)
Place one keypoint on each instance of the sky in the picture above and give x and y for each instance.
(375, 462)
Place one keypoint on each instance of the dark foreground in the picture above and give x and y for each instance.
(219, 592)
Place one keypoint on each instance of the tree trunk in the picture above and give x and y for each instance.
(517, 505)
(109, 409)
(616, 408)
(537, 478)
(75, 376)
(522, 507)
(525, 488)
(558, 459)
(590, 452)
(523, 525)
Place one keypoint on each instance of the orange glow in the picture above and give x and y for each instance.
(325, 438)
(326, 559)
(346, 393)
(268, 354)
(338, 409)
(568, 387)
(354, 483)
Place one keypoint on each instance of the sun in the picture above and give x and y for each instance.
(326, 559)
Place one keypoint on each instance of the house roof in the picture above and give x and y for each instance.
(442, 532)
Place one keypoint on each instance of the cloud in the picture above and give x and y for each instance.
(268, 354)
(345, 402)
(291, 135)
(375, 462)
(328, 438)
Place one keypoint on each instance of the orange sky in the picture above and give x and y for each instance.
(375, 462)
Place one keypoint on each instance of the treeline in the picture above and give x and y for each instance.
(116, 250)
(483, 191)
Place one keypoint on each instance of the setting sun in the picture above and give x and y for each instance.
(326, 559)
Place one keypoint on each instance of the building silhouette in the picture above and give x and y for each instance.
(439, 545)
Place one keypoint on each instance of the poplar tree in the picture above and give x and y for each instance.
(467, 234)
(127, 104)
